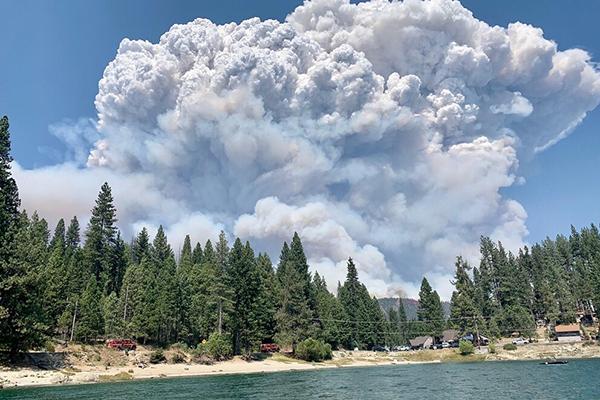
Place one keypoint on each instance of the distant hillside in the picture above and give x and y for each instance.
(410, 306)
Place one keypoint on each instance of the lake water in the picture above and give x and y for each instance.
(580, 379)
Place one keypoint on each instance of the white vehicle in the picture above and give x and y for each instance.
(445, 345)
(520, 341)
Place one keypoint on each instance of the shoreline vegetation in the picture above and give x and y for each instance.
(225, 301)
(81, 364)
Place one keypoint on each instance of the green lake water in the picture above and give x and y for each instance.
(580, 379)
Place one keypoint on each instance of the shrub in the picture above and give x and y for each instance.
(157, 356)
(177, 358)
(492, 348)
(313, 350)
(509, 347)
(216, 347)
(466, 347)
(49, 346)
(180, 346)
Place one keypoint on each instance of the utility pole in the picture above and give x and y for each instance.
(73, 324)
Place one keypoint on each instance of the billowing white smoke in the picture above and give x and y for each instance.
(382, 131)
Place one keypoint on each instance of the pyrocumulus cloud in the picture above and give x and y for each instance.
(382, 131)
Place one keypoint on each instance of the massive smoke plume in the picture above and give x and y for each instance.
(382, 131)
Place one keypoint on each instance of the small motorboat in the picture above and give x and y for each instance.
(554, 362)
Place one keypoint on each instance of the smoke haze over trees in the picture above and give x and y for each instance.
(346, 123)
(56, 285)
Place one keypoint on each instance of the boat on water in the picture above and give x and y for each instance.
(554, 362)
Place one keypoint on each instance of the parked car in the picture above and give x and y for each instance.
(381, 348)
(520, 341)
(401, 348)
(445, 345)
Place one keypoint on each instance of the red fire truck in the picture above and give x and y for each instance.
(269, 348)
(121, 344)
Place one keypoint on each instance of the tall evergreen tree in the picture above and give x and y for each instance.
(101, 235)
(430, 313)
(283, 259)
(197, 254)
(293, 318)
(140, 247)
(90, 323)
(267, 300)
(9, 200)
(58, 238)
(212, 303)
(72, 237)
(23, 320)
(329, 313)
(245, 284)
(360, 314)
(464, 312)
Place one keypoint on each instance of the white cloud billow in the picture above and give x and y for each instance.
(382, 131)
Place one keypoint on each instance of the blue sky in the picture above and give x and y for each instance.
(54, 53)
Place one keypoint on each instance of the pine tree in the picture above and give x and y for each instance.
(112, 315)
(329, 311)
(245, 284)
(197, 254)
(283, 259)
(23, 321)
(359, 311)
(101, 235)
(403, 322)
(118, 264)
(211, 305)
(140, 247)
(72, 238)
(297, 257)
(58, 238)
(56, 288)
(293, 316)
(9, 200)
(185, 287)
(90, 323)
(464, 313)
(267, 300)
(430, 313)
(165, 288)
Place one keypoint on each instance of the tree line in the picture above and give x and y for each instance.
(93, 284)
(86, 285)
(553, 282)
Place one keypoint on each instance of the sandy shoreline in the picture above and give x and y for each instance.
(27, 377)
(81, 370)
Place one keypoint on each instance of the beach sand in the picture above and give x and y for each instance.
(90, 364)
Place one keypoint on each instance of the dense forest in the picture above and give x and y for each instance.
(90, 284)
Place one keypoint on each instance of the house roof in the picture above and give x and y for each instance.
(419, 340)
(449, 335)
(566, 328)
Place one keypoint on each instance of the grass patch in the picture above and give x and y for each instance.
(440, 355)
(285, 359)
(340, 362)
(121, 376)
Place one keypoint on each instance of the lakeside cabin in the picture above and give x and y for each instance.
(568, 333)
(451, 336)
(421, 342)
